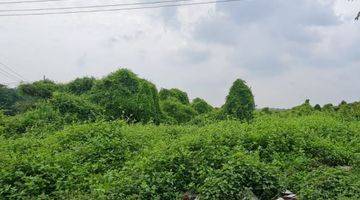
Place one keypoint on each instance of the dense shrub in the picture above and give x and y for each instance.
(238, 176)
(177, 112)
(124, 95)
(313, 156)
(201, 106)
(80, 85)
(240, 101)
(42, 119)
(329, 183)
(40, 89)
(75, 108)
(303, 109)
(174, 94)
(8, 98)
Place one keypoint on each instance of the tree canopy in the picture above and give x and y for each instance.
(124, 95)
(240, 101)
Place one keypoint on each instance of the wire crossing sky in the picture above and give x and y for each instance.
(117, 9)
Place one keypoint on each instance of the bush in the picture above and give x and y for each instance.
(8, 98)
(240, 175)
(201, 106)
(42, 119)
(174, 94)
(329, 183)
(40, 89)
(75, 108)
(124, 95)
(240, 101)
(80, 85)
(178, 112)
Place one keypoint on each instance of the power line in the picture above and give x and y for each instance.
(9, 83)
(8, 75)
(118, 9)
(13, 71)
(94, 6)
(30, 1)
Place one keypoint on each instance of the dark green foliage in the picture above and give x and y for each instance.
(240, 101)
(8, 98)
(303, 109)
(75, 108)
(201, 106)
(166, 94)
(80, 85)
(43, 118)
(266, 110)
(25, 103)
(317, 107)
(40, 89)
(124, 95)
(176, 111)
(215, 115)
(349, 111)
(328, 107)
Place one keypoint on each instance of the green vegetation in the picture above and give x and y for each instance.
(123, 94)
(118, 138)
(240, 101)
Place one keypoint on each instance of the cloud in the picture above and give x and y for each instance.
(286, 50)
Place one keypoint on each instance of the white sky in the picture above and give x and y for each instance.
(287, 51)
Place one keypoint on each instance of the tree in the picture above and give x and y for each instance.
(81, 85)
(177, 111)
(240, 101)
(75, 108)
(201, 106)
(8, 98)
(303, 109)
(124, 95)
(328, 107)
(174, 93)
(39, 89)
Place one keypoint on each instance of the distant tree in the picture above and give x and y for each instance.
(317, 107)
(124, 95)
(303, 109)
(174, 93)
(39, 89)
(328, 107)
(201, 106)
(81, 85)
(240, 101)
(8, 98)
(342, 103)
(266, 110)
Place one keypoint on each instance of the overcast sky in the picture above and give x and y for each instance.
(286, 50)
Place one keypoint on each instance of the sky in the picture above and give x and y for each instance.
(286, 50)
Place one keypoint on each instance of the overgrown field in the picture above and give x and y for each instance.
(119, 138)
(315, 156)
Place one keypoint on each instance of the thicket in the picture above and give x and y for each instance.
(240, 101)
(119, 138)
(315, 156)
